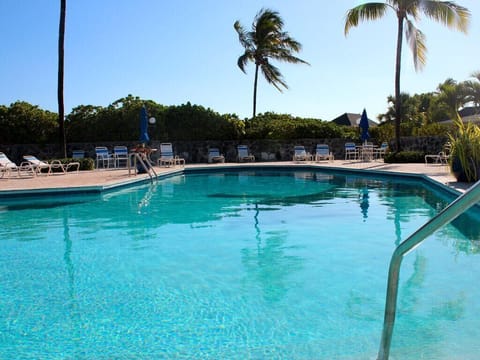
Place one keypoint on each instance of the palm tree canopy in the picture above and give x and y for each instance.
(444, 12)
(265, 41)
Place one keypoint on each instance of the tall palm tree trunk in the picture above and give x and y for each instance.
(255, 82)
(61, 52)
(398, 99)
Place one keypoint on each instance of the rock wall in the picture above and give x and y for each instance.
(197, 151)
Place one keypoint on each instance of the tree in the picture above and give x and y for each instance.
(61, 53)
(267, 40)
(453, 96)
(472, 88)
(445, 12)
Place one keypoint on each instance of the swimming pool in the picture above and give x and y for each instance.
(242, 264)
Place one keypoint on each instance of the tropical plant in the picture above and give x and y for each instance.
(61, 53)
(453, 95)
(267, 40)
(472, 88)
(445, 12)
(465, 150)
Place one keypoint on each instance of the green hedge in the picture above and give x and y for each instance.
(405, 157)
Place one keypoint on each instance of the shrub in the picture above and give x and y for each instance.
(405, 157)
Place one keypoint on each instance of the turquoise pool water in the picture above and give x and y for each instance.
(280, 265)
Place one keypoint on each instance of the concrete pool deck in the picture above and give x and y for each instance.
(98, 180)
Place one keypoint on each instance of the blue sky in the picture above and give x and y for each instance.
(186, 50)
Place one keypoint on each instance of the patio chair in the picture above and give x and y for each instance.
(38, 165)
(103, 157)
(167, 157)
(214, 156)
(300, 154)
(7, 166)
(366, 152)
(322, 152)
(243, 154)
(120, 154)
(351, 151)
(379, 153)
(78, 154)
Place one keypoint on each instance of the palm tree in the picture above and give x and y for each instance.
(445, 12)
(265, 41)
(453, 95)
(61, 52)
(473, 90)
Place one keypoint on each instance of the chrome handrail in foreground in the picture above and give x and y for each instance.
(456, 208)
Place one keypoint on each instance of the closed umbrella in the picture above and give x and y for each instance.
(144, 138)
(364, 126)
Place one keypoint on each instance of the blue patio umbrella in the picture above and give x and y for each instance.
(364, 126)
(144, 138)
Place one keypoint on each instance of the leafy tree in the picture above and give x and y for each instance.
(24, 123)
(194, 122)
(445, 12)
(61, 53)
(267, 40)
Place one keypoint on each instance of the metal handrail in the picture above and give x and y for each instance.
(148, 169)
(452, 211)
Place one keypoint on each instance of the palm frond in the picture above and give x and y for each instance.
(364, 12)
(243, 60)
(416, 41)
(273, 76)
(243, 35)
(476, 75)
(447, 13)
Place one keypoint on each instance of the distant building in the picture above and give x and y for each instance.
(468, 114)
(351, 119)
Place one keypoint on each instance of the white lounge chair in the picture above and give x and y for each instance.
(168, 157)
(38, 165)
(214, 156)
(243, 154)
(300, 154)
(441, 158)
(322, 152)
(7, 166)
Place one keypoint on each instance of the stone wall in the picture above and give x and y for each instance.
(197, 151)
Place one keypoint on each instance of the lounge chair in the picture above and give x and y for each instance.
(300, 154)
(103, 157)
(120, 154)
(441, 158)
(243, 154)
(167, 156)
(38, 165)
(7, 166)
(322, 152)
(351, 151)
(214, 156)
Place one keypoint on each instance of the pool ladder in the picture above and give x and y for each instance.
(144, 162)
(452, 211)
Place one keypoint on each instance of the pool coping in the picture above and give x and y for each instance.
(162, 173)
